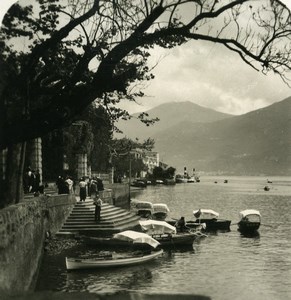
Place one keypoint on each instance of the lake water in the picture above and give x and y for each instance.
(224, 265)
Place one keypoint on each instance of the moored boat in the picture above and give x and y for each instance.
(181, 179)
(191, 179)
(160, 211)
(169, 181)
(126, 239)
(139, 183)
(111, 260)
(143, 209)
(210, 218)
(167, 235)
(250, 221)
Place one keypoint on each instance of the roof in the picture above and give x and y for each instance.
(248, 212)
(141, 204)
(157, 227)
(136, 237)
(160, 207)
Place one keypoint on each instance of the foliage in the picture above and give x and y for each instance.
(70, 53)
(122, 155)
(89, 134)
(160, 173)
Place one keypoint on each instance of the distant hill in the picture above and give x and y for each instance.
(255, 143)
(170, 114)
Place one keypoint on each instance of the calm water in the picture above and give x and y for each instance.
(222, 266)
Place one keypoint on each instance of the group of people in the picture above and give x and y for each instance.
(31, 182)
(92, 187)
(65, 185)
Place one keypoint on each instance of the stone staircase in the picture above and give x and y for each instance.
(81, 221)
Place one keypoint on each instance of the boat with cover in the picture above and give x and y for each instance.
(210, 218)
(143, 209)
(250, 221)
(111, 260)
(160, 211)
(166, 234)
(125, 239)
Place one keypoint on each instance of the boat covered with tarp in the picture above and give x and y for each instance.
(166, 234)
(250, 220)
(160, 211)
(211, 219)
(143, 209)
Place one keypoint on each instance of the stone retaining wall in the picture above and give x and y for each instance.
(120, 195)
(23, 229)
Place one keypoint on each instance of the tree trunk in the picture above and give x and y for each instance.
(12, 184)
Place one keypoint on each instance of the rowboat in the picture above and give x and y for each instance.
(112, 260)
(210, 218)
(143, 209)
(250, 221)
(166, 234)
(160, 211)
(125, 239)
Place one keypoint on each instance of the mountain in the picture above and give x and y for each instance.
(255, 143)
(170, 114)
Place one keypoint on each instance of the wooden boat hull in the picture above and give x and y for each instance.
(180, 239)
(165, 240)
(215, 224)
(160, 216)
(106, 262)
(248, 227)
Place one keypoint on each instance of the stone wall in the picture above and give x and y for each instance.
(23, 229)
(120, 194)
(58, 208)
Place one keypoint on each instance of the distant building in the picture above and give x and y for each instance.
(150, 159)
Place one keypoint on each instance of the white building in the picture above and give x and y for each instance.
(150, 159)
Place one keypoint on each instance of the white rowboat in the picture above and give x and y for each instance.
(109, 261)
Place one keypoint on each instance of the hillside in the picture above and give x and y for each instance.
(256, 143)
(170, 114)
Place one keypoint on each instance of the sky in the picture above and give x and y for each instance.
(206, 74)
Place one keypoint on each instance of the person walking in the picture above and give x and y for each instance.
(98, 204)
(93, 189)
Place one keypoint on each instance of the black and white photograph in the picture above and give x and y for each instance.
(145, 149)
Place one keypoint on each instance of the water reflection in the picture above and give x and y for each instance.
(108, 280)
(252, 235)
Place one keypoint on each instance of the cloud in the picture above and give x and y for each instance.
(212, 76)
(206, 74)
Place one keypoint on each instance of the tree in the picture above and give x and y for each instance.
(60, 56)
(122, 151)
(160, 173)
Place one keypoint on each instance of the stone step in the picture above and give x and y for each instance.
(104, 209)
(109, 215)
(88, 210)
(91, 221)
(113, 219)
